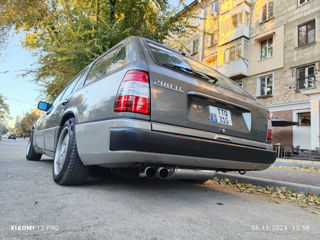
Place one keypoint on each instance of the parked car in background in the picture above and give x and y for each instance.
(12, 136)
(145, 106)
(5, 136)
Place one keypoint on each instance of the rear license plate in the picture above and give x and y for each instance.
(220, 115)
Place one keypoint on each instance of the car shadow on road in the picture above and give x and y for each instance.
(101, 179)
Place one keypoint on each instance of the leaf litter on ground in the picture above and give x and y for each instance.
(277, 194)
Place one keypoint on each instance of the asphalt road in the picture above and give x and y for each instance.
(32, 206)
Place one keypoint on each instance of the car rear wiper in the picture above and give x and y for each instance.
(209, 78)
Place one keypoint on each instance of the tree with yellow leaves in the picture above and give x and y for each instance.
(69, 34)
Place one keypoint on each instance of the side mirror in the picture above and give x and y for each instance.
(44, 106)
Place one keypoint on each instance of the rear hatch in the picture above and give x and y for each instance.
(209, 102)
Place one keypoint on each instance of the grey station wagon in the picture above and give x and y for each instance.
(145, 106)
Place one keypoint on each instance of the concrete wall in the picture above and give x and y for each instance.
(286, 54)
(256, 65)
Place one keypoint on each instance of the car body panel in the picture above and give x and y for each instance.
(96, 151)
(189, 106)
(174, 111)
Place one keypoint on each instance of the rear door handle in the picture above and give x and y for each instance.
(65, 102)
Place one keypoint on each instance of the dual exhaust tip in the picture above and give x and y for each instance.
(152, 172)
(177, 173)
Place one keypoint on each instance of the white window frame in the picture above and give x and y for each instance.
(301, 4)
(265, 90)
(193, 51)
(214, 7)
(306, 71)
(235, 45)
(242, 20)
(212, 40)
(268, 49)
(246, 19)
(268, 17)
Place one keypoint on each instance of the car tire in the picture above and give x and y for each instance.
(67, 166)
(31, 154)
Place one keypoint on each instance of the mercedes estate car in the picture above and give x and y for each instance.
(143, 105)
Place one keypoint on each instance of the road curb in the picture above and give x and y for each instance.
(297, 187)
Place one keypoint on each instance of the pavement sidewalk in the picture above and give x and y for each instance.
(296, 163)
(298, 180)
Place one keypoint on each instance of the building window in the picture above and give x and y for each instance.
(245, 49)
(211, 39)
(214, 7)
(233, 53)
(265, 85)
(266, 49)
(304, 119)
(306, 77)
(226, 55)
(195, 46)
(181, 30)
(306, 33)
(300, 2)
(238, 50)
(239, 82)
(197, 19)
(237, 20)
(246, 18)
(267, 11)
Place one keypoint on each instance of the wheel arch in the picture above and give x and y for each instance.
(65, 117)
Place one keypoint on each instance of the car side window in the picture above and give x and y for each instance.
(71, 86)
(81, 79)
(109, 62)
(57, 99)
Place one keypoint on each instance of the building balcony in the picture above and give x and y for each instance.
(230, 35)
(235, 69)
(228, 5)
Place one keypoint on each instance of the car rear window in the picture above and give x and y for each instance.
(165, 56)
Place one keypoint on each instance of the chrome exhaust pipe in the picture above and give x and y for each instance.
(149, 171)
(193, 174)
(162, 172)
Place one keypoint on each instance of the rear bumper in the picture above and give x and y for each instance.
(128, 139)
(129, 142)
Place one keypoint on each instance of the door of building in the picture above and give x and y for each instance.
(302, 132)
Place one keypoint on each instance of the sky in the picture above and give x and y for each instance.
(21, 93)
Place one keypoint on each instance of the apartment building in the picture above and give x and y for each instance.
(272, 49)
(284, 60)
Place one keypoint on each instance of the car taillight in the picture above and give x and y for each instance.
(134, 93)
(269, 131)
